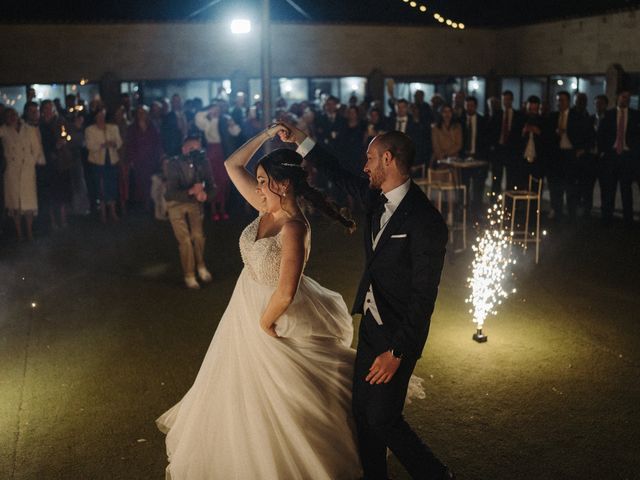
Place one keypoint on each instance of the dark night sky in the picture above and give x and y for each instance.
(472, 13)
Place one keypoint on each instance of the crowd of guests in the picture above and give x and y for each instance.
(570, 148)
(74, 158)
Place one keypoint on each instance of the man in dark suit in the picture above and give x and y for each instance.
(567, 140)
(504, 140)
(531, 152)
(619, 146)
(330, 124)
(402, 121)
(594, 160)
(475, 145)
(174, 128)
(405, 239)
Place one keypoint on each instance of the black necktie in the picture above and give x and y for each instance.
(377, 215)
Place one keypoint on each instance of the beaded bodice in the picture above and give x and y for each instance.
(261, 257)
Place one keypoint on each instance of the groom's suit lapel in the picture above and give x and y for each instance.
(395, 222)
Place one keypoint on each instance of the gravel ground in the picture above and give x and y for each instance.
(114, 340)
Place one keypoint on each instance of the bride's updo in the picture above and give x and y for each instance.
(285, 164)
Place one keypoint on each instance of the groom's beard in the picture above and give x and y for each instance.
(376, 178)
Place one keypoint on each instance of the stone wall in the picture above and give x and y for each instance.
(148, 51)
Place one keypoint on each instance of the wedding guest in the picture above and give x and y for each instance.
(349, 145)
(376, 124)
(595, 162)
(530, 159)
(446, 136)
(330, 124)
(103, 141)
(59, 162)
(437, 101)
(144, 150)
(80, 203)
(31, 114)
(505, 137)
(567, 142)
(222, 135)
(457, 102)
(619, 146)
(124, 168)
(22, 152)
(189, 184)
(174, 127)
(155, 115)
(475, 145)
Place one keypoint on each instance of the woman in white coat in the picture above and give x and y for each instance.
(103, 141)
(22, 151)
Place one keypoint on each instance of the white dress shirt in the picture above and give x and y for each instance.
(563, 120)
(401, 124)
(622, 111)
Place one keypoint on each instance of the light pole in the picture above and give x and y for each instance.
(265, 63)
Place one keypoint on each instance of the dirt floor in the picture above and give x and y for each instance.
(98, 337)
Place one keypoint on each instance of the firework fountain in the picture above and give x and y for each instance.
(489, 269)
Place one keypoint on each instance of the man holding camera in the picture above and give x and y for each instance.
(189, 184)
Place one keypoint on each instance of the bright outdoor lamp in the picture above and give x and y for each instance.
(240, 25)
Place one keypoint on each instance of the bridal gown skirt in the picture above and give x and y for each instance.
(270, 408)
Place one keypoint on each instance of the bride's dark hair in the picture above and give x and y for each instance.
(285, 164)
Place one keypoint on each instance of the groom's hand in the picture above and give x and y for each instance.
(290, 134)
(383, 369)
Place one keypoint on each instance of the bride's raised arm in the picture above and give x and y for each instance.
(236, 166)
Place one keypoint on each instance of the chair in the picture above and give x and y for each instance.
(532, 194)
(445, 180)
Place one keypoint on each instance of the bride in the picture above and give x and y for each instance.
(272, 399)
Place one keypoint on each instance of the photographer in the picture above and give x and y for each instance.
(189, 185)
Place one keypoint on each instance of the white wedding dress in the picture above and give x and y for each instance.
(263, 407)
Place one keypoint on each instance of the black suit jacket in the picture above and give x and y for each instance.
(495, 130)
(404, 269)
(577, 131)
(608, 129)
(482, 137)
(327, 131)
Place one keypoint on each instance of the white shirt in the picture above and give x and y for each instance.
(509, 114)
(394, 198)
(209, 126)
(563, 120)
(401, 124)
(625, 112)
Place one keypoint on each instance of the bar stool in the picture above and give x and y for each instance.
(532, 194)
(444, 181)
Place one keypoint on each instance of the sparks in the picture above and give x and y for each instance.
(489, 268)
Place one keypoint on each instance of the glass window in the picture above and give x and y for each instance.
(534, 86)
(559, 84)
(592, 86)
(293, 89)
(14, 97)
(199, 89)
(255, 90)
(85, 91)
(476, 87)
(352, 86)
(513, 84)
(49, 92)
(323, 87)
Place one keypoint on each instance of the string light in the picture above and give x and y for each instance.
(439, 18)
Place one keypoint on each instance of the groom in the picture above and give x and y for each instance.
(405, 239)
